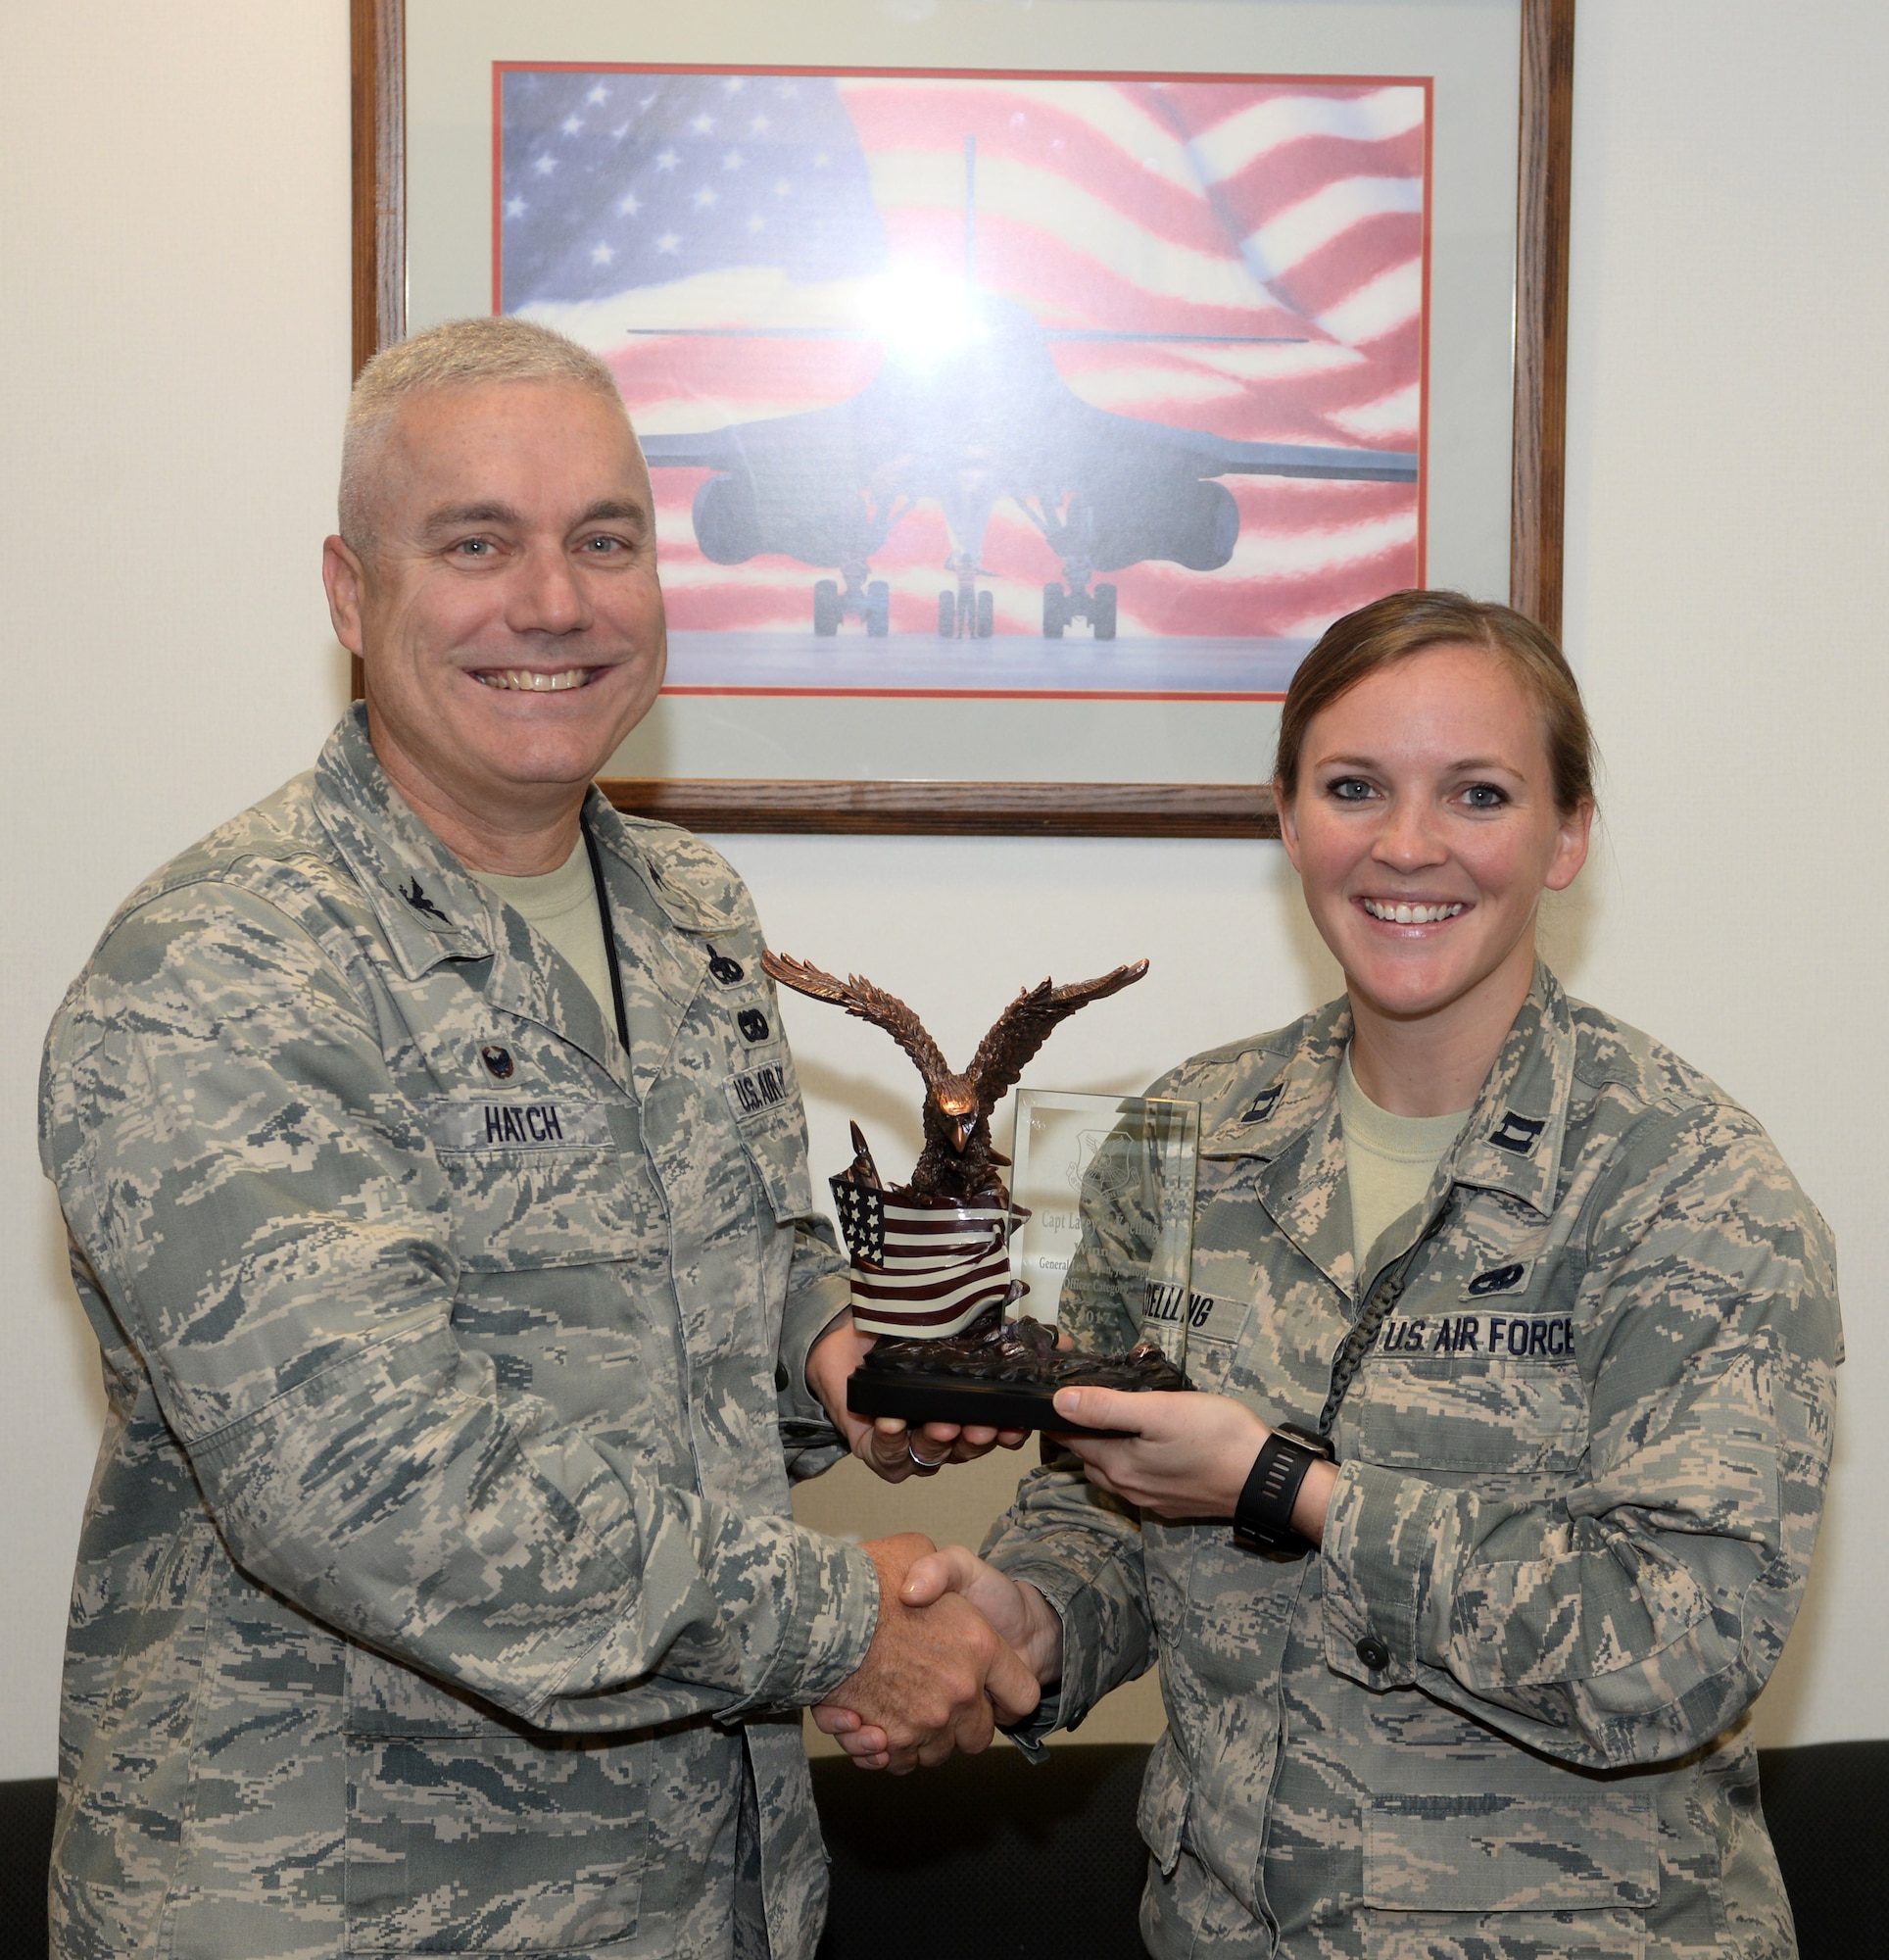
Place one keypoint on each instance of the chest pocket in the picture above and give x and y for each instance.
(541, 1184)
(1419, 1408)
(1476, 1370)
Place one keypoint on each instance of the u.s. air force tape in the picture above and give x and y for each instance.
(757, 1089)
(514, 1125)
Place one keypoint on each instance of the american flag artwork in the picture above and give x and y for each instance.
(970, 383)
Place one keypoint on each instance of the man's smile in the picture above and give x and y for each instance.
(530, 680)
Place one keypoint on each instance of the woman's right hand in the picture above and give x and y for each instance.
(1017, 1612)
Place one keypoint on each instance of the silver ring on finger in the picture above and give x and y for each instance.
(919, 1462)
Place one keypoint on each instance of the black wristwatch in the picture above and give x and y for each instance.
(1263, 1516)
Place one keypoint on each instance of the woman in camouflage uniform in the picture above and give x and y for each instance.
(1565, 1329)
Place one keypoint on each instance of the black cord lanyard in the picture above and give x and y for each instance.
(1356, 1345)
(609, 939)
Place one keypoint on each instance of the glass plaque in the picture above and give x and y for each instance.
(1135, 1154)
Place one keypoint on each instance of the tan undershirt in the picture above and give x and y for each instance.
(1389, 1160)
(562, 907)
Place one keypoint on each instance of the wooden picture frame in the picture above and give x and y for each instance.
(1083, 809)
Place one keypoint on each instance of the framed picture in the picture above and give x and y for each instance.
(1014, 427)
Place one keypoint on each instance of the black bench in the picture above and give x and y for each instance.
(992, 1857)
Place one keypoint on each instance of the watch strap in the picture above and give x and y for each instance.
(1263, 1514)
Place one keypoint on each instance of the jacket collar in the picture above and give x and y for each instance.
(433, 910)
(1285, 1115)
(429, 906)
(1513, 1139)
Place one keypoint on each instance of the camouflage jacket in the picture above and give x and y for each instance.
(439, 1552)
(1583, 1456)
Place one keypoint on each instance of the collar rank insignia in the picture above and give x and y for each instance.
(415, 895)
(1264, 1104)
(1517, 1133)
(861, 1209)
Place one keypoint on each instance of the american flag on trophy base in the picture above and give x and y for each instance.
(922, 1267)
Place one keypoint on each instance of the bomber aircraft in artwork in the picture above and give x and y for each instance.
(984, 417)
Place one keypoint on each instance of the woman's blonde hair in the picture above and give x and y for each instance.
(1403, 623)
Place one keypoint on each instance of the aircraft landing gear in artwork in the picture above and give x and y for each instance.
(966, 613)
(1064, 606)
(869, 601)
(978, 622)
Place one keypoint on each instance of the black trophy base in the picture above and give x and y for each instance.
(944, 1397)
(1001, 1374)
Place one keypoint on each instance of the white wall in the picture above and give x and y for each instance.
(175, 362)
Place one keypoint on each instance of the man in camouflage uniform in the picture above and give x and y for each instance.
(1581, 1402)
(438, 1588)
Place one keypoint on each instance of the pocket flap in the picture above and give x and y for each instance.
(1490, 1853)
(513, 1210)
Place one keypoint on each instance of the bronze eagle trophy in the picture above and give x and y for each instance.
(930, 1262)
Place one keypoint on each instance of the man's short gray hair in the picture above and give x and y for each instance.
(457, 354)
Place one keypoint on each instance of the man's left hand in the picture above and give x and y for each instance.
(886, 1443)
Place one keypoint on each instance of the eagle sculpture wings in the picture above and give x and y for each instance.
(958, 1161)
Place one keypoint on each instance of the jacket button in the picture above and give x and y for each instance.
(1373, 1653)
(780, 1378)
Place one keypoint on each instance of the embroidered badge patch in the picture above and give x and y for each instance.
(1264, 1104)
(1517, 1133)
(1498, 1279)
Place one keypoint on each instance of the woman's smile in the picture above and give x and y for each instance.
(1413, 911)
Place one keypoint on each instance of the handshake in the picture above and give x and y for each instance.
(959, 1648)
